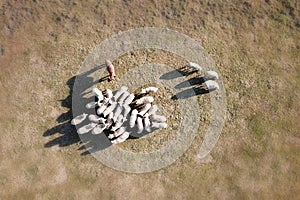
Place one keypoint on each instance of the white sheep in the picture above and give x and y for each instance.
(129, 99)
(123, 97)
(110, 109)
(211, 75)
(98, 94)
(108, 94)
(149, 90)
(98, 129)
(117, 112)
(144, 109)
(120, 92)
(158, 118)
(194, 65)
(107, 101)
(86, 128)
(152, 110)
(120, 118)
(211, 85)
(139, 123)
(159, 125)
(144, 100)
(118, 123)
(133, 117)
(79, 119)
(91, 105)
(127, 110)
(101, 109)
(147, 123)
(96, 119)
(109, 120)
(99, 103)
(119, 132)
(110, 136)
(124, 119)
(110, 116)
(122, 138)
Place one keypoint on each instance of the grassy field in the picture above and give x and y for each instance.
(256, 47)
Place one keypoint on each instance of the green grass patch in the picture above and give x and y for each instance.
(257, 125)
(286, 125)
(250, 153)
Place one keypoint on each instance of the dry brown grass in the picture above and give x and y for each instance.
(256, 47)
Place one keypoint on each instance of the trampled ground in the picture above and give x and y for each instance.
(255, 45)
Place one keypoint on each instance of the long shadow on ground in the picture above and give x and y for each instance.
(196, 83)
(65, 131)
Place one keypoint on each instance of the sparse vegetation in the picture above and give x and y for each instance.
(255, 45)
(257, 123)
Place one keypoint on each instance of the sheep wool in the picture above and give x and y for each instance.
(147, 123)
(119, 132)
(121, 139)
(139, 123)
(194, 65)
(79, 119)
(144, 100)
(211, 75)
(115, 109)
(118, 112)
(118, 123)
(159, 125)
(109, 120)
(211, 85)
(98, 129)
(98, 94)
(110, 116)
(91, 105)
(110, 136)
(120, 92)
(123, 97)
(149, 90)
(127, 110)
(109, 109)
(101, 109)
(109, 93)
(145, 109)
(129, 99)
(153, 110)
(86, 128)
(133, 117)
(96, 119)
(158, 118)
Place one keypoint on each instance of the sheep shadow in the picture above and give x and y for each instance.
(94, 143)
(67, 133)
(196, 83)
(183, 71)
(188, 93)
(190, 82)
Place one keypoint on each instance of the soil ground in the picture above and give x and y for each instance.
(255, 45)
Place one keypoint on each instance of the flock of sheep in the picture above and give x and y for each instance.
(210, 77)
(120, 113)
